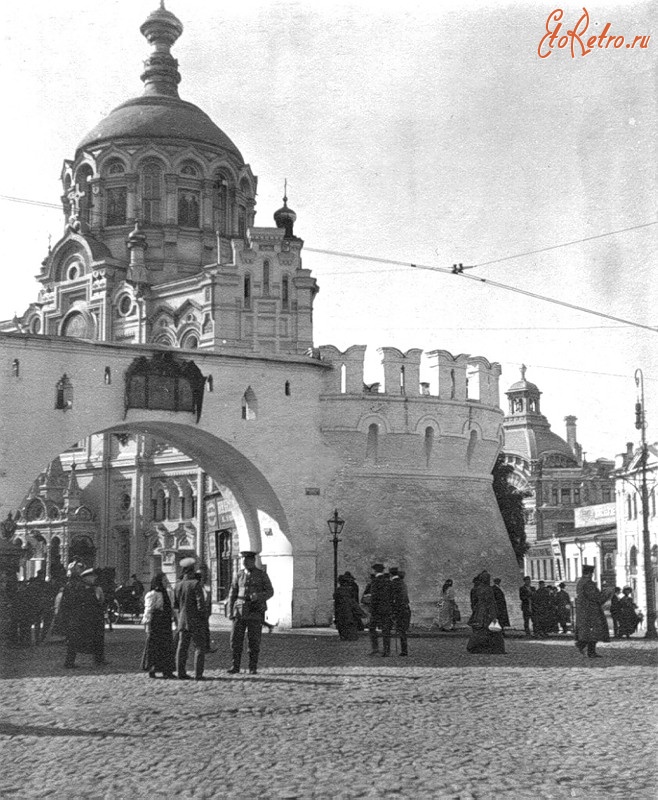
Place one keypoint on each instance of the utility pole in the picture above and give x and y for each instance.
(650, 589)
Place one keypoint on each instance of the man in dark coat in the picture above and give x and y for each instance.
(400, 607)
(81, 608)
(541, 611)
(501, 605)
(191, 612)
(247, 604)
(563, 607)
(525, 596)
(591, 624)
(381, 610)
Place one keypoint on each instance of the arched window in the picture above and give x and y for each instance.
(64, 393)
(220, 206)
(632, 559)
(285, 292)
(247, 291)
(242, 221)
(190, 341)
(372, 442)
(152, 192)
(116, 193)
(188, 208)
(429, 444)
(472, 443)
(86, 202)
(266, 278)
(159, 505)
(249, 404)
(188, 504)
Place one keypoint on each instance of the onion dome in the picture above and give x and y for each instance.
(285, 218)
(160, 113)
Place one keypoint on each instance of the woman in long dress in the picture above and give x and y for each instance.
(446, 616)
(159, 648)
(485, 612)
(627, 614)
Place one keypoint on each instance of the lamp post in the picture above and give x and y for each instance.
(649, 586)
(335, 526)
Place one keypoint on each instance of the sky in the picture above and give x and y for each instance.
(426, 132)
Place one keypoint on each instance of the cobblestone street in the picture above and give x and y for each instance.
(324, 719)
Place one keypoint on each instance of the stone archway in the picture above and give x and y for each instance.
(261, 524)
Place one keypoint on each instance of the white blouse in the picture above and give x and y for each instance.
(152, 602)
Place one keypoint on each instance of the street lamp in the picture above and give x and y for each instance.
(650, 589)
(335, 526)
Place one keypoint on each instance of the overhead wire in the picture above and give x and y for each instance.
(496, 284)
(460, 270)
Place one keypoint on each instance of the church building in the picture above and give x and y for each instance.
(180, 405)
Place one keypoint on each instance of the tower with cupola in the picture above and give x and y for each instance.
(160, 243)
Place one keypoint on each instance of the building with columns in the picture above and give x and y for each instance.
(181, 407)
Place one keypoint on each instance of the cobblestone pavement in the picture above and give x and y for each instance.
(323, 719)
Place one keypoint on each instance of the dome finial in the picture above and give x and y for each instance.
(161, 29)
(523, 371)
(285, 217)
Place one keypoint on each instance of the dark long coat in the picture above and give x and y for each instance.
(190, 605)
(82, 616)
(591, 624)
(347, 612)
(501, 606)
(400, 604)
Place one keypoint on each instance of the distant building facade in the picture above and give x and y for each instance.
(630, 523)
(558, 483)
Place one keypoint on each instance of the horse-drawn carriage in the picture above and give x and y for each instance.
(122, 603)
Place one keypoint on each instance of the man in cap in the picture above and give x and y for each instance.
(81, 607)
(190, 607)
(591, 624)
(400, 607)
(250, 591)
(381, 610)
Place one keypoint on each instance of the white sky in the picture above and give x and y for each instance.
(428, 132)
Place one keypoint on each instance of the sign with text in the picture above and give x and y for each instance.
(588, 516)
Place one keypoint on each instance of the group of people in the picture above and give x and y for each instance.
(174, 620)
(384, 603)
(191, 608)
(546, 607)
(32, 610)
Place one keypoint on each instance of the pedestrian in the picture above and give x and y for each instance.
(250, 591)
(563, 607)
(591, 624)
(614, 610)
(485, 613)
(502, 614)
(628, 618)
(381, 610)
(190, 607)
(347, 611)
(159, 648)
(81, 607)
(207, 599)
(525, 596)
(446, 617)
(354, 586)
(541, 611)
(401, 610)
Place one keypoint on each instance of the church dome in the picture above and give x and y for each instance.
(153, 117)
(160, 113)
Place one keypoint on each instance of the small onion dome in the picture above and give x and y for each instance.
(285, 218)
